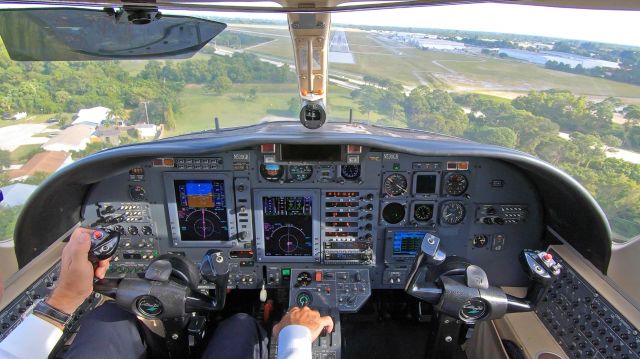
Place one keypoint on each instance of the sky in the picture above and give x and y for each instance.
(618, 27)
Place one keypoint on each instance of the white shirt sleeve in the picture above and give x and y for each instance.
(294, 342)
(34, 338)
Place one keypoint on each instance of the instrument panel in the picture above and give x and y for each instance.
(278, 208)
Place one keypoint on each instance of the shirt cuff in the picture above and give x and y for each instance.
(294, 341)
(22, 342)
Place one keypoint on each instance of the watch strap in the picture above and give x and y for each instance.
(44, 309)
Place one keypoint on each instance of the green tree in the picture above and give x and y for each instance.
(367, 99)
(221, 84)
(170, 119)
(589, 146)
(391, 102)
(253, 94)
(611, 140)
(434, 110)
(632, 116)
(8, 219)
(501, 136)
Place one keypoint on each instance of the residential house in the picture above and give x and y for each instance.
(107, 135)
(47, 162)
(73, 138)
(146, 130)
(92, 116)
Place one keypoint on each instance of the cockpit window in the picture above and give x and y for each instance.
(566, 89)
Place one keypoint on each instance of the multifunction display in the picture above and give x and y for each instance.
(407, 243)
(287, 222)
(202, 213)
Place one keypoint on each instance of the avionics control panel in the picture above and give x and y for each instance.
(583, 322)
(21, 307)
(345, 289)
(275, 209)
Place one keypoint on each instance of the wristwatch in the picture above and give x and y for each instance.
(48, 312)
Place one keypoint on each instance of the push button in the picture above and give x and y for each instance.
(318, 276)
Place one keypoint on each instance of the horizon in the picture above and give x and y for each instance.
(601, 26)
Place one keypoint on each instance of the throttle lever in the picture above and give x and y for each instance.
(215, 269)
(542, 269)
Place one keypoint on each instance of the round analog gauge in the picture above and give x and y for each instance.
(300, 173)
(395, 185)
(137, 192)
(304, 279)
(304, 299)
(350, 172)
(452, 212)
(423, 212)
(146, 230)
(393, 213)
(204, 224)
(133, 230)
(271, 172)
(456, 184)
(120, 229)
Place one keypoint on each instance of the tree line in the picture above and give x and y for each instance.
(66, 87)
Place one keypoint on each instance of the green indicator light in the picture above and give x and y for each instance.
(396, 167)
(286, 272)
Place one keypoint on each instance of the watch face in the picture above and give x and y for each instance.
(149, 306)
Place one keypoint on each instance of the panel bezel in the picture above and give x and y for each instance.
(172, 207)
(414, 184)
(259, 225)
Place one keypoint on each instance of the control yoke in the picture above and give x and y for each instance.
(170, 287)
(461, 290)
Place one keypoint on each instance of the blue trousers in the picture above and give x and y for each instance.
(111, 332)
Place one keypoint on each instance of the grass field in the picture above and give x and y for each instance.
(23, 153)
(39, 118)
(280, 47)
(199, 106)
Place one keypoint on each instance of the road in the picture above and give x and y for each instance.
(15, 136)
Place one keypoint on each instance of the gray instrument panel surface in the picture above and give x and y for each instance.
(490, 182)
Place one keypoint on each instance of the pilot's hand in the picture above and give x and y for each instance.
(76, 273)
(306, 317)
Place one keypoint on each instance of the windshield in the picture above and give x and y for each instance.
(566, 90)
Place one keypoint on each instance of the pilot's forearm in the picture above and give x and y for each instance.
(294, 341)
(34, 338)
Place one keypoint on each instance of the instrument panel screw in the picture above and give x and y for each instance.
(448, 339)
(174, 336)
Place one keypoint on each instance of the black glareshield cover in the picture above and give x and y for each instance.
(71, 34)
